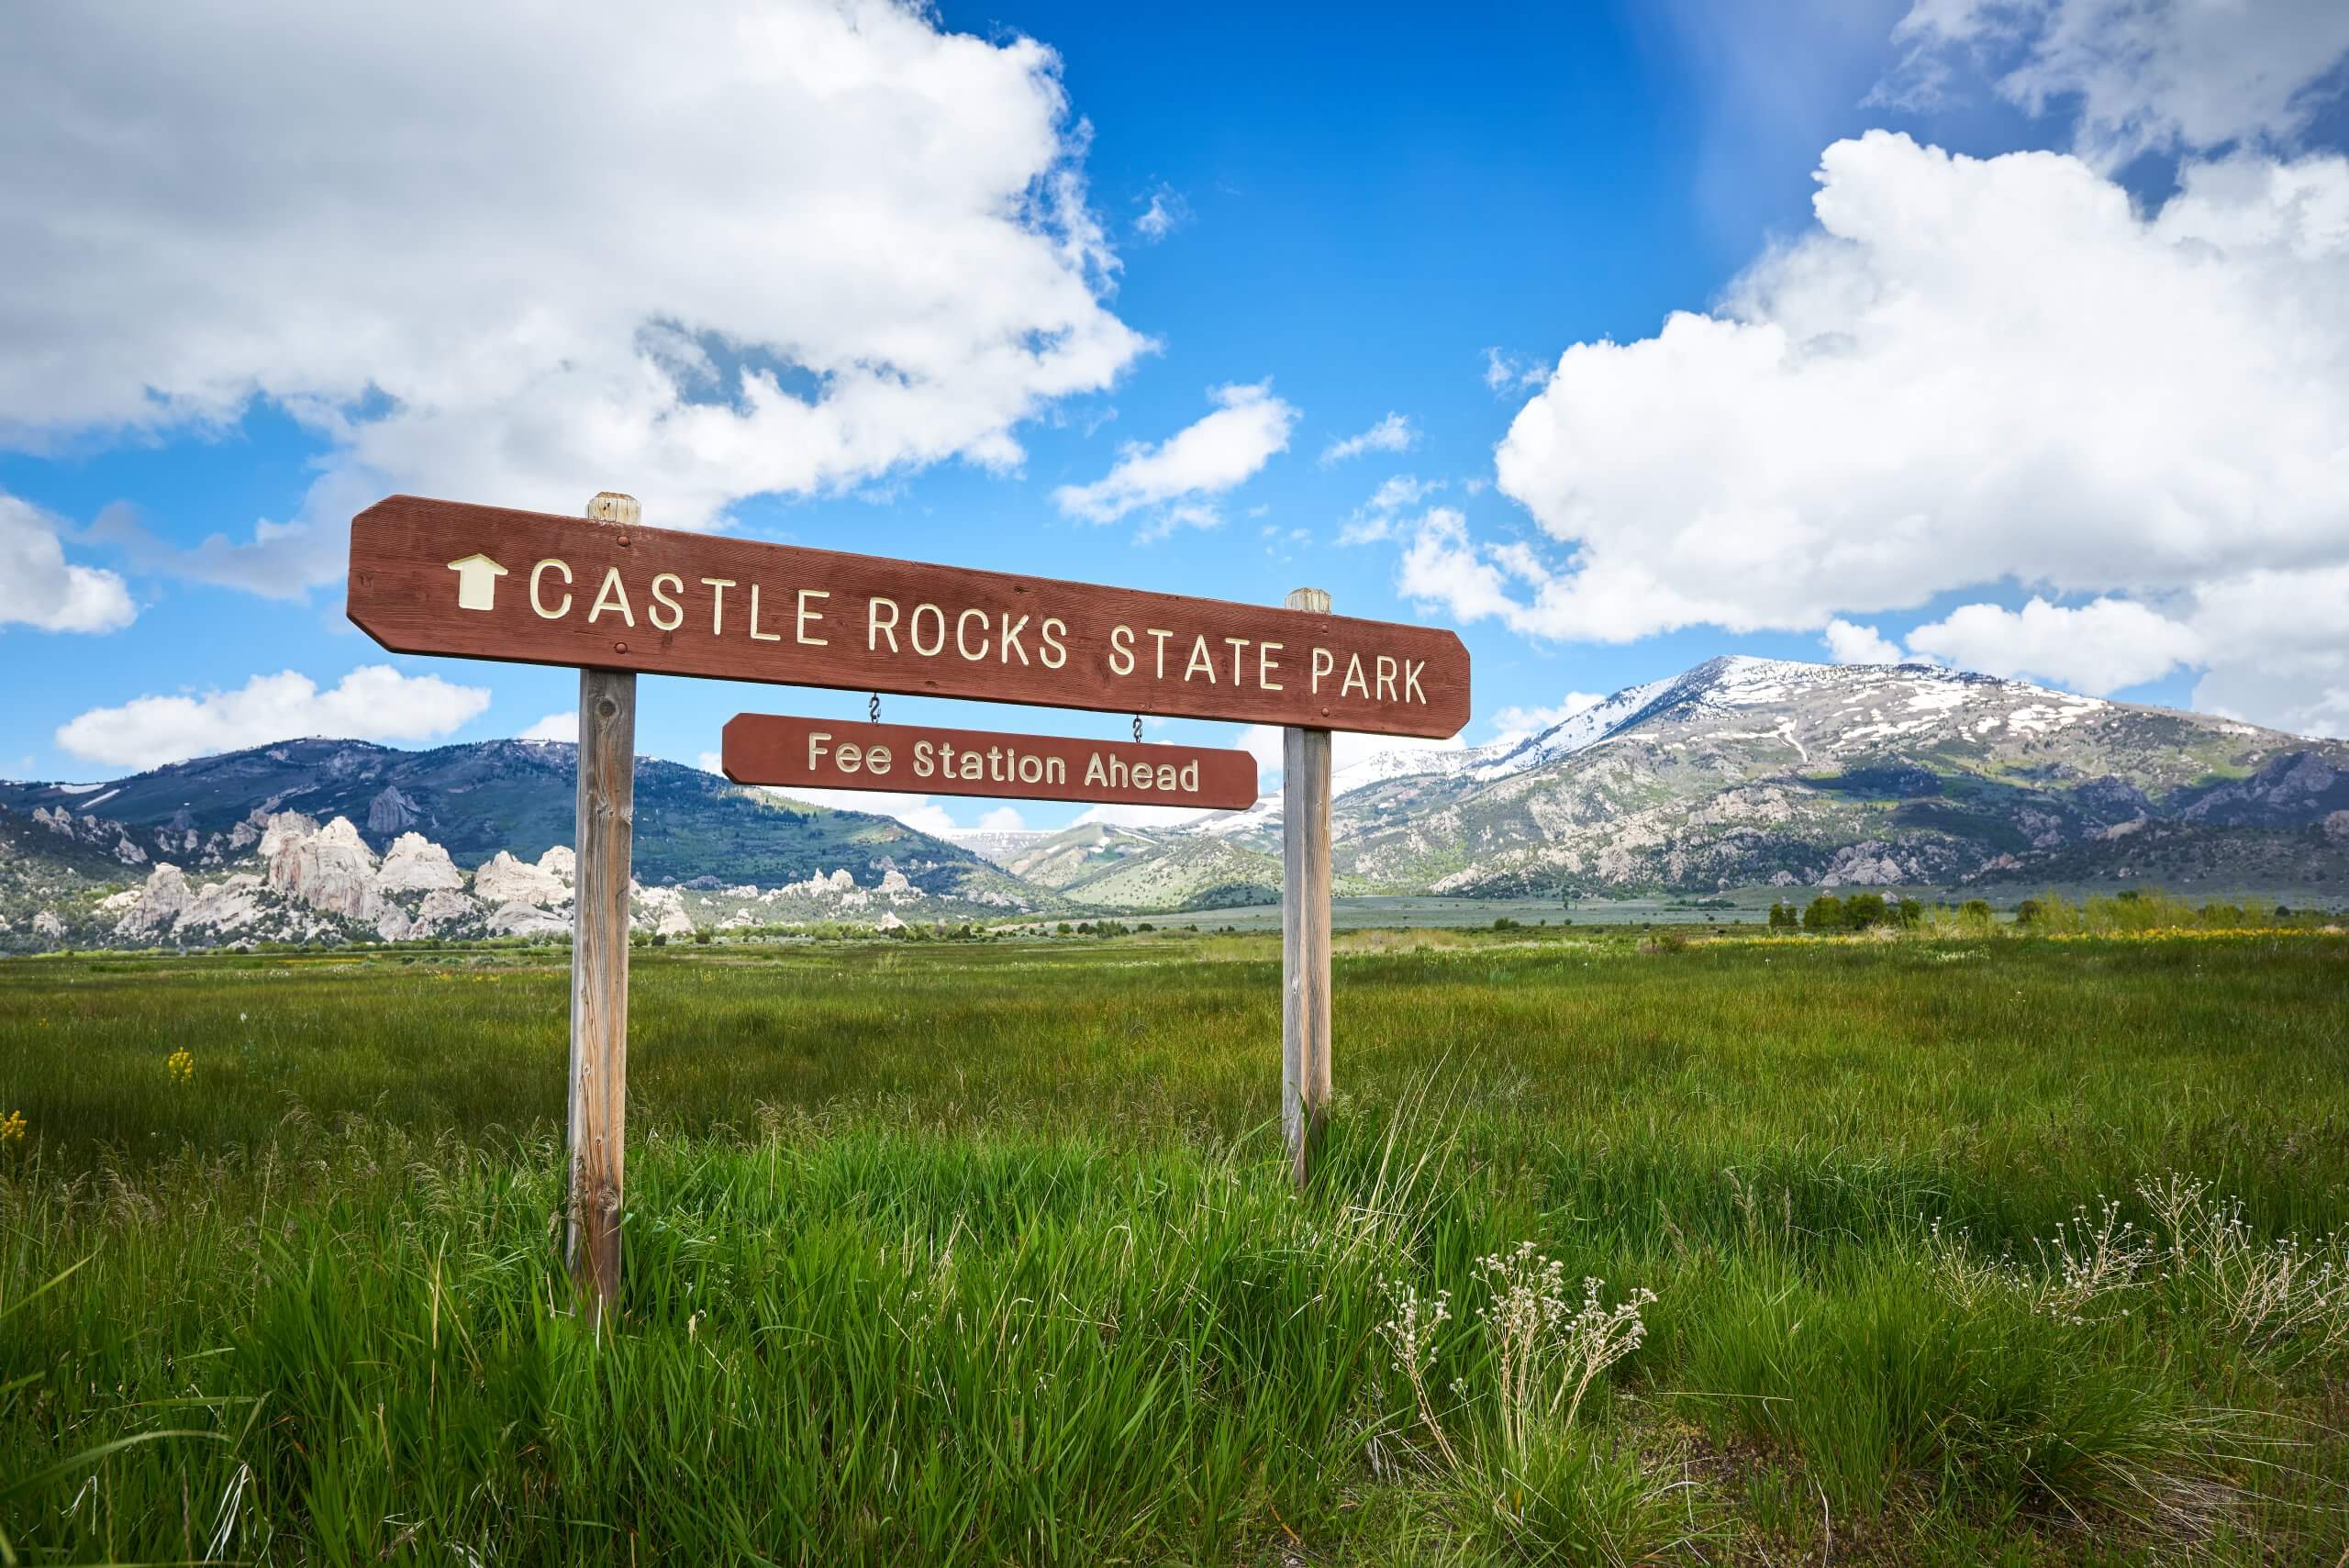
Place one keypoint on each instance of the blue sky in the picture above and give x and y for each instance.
(1327, 222)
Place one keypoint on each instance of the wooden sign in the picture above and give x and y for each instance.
(487, 582)
(766, 749)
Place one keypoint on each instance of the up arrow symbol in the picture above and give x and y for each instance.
(477, 578)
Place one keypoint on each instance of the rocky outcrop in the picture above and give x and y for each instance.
(390, 812)
(232, 904)
(443, 912)
(818, 885)
(505, 880)
(155, 909)
(2281, 791)
(520, 919)
(415, 864)
(661, 910)
(48, 926)
(331, 868)
(169, 905)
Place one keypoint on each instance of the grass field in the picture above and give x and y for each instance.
(981, 1254)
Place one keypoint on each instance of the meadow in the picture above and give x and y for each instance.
(1942, 1247)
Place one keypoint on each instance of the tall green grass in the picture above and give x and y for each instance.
(982, 1255)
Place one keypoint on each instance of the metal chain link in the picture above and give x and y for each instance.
(1137, 726)
(873, 709)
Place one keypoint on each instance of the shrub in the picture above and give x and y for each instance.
(1571, 1496)
(2029, 912)
(1862, 910)
(1889, 1375)
(1825, 914)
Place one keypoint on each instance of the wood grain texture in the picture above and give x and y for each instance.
(862, 623)
(771, 748)
(1305, 929)
(599, 1093)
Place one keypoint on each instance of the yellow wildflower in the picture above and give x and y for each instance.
(181, 1065)
(12, 1127)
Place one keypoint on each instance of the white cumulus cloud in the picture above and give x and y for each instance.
(1395, 433)
(728, 249)
(39, 587)
(1973, 372)
(2298, 678)
(1506, 372)
(2095, 648)
(1166, 213)
(1213, 454)
(553, 726)
(2138, 75)
(1851, 644)
(374, 702)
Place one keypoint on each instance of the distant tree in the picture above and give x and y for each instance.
(2029, 912)
(1911, 913)
(701, 936)
(1862, 910)
(1503, 923)
(1783, 916)
(1976, 910)
(1825, 914)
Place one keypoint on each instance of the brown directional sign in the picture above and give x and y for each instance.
(767, 749)
(487, 582)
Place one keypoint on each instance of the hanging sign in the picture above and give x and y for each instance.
(822, 753)
(487, 582)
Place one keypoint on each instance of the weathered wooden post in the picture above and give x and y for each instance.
(599, 962)
(1305, 928)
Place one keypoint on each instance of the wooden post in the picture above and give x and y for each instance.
(1305, 929)
(599, 964)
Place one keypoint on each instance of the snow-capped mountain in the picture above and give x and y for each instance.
(1738, 772)
(1744, 771)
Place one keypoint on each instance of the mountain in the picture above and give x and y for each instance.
(998, 845)
(317, 839)
(1073, 854)
(1738, 773)
(1745, 771)
(475, 800)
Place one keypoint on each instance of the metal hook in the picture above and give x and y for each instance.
(873, 709)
